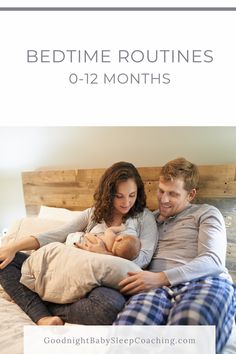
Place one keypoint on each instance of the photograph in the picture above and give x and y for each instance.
(129, 226)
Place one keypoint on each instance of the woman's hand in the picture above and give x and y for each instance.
(138, 282)
(93, 243)
(6, 256)
(8, 252)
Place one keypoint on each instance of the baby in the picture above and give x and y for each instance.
(121, 245)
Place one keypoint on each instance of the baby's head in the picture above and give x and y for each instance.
(126, 246)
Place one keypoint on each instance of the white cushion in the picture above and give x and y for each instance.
(57, 213)
(63, 274)
(30, 226)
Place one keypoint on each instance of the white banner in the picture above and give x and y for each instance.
(119, 339)
(117, 68)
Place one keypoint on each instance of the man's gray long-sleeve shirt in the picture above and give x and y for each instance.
(191, 244)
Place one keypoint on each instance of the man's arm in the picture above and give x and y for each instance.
(142, 281)
(212, 242)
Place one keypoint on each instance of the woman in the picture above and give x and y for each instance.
(120, 198)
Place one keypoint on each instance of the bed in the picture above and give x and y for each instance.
(52, 197)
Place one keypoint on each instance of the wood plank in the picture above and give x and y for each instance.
(231, 253)
(225, 172)
(49, 176)
(149, 173)
(89, 175)
(231, 234)
(220, 189)
(233, 275)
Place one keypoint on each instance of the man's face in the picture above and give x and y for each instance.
(173, 198)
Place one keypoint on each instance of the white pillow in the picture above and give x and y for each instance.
(57, 213)
(29, 226)
(64, 274)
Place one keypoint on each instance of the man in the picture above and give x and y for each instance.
(187, 282)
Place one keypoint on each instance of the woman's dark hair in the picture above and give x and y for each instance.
(106, 191)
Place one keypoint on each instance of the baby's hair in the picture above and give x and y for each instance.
(128, 247)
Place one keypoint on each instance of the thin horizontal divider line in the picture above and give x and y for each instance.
(117, 8)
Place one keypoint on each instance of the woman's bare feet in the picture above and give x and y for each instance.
(50, 321)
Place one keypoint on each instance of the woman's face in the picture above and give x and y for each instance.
(125, 197)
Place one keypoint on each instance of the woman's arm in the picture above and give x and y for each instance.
(79, 223)
(7, 252)
(148, 235)
(94, 244)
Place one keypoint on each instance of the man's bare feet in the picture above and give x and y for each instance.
(50, 321)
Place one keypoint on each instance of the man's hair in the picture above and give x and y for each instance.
(181, 168)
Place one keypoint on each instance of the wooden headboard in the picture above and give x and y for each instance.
(73, 189)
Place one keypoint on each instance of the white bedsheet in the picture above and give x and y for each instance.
(11, 327)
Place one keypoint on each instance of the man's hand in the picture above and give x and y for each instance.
(6, 256)
(142, 281)
(92, 243)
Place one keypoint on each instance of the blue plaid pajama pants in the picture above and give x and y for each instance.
(207, 301)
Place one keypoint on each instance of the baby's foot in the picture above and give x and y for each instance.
(50, 321)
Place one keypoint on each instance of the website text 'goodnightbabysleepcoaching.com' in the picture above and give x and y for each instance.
(119, 339)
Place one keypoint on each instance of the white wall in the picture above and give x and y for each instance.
(29, 148)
